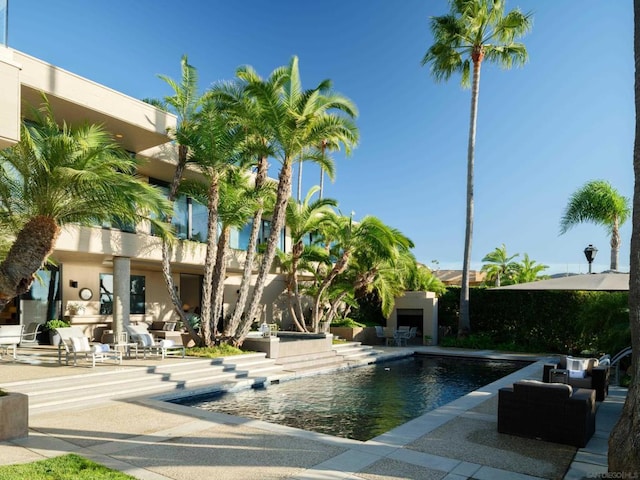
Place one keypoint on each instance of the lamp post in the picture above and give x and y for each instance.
(590, 253)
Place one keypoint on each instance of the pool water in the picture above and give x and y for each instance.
(364, 402)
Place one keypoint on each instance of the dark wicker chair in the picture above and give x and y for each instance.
(595, 376)
(552, 412)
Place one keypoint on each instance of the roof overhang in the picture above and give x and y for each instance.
(74, 99)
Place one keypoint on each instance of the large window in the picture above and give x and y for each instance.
(240, 240)
(137, 294)
(189, 217)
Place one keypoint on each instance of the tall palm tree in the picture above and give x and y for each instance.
(598, 202)
(185, 102)
(623, 441)
(243, 111)
(59, 175)
(214, 151)
(474, 31)
(299, 120)
(499, 265)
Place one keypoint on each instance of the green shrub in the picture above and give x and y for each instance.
(347, 322)
(55, 323)
(222, 350)
(540, 320)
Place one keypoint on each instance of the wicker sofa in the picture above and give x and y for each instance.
(554, 412)
(581, 373)
(165, 331)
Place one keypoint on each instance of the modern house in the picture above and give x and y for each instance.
(112, 272)
(91, 263)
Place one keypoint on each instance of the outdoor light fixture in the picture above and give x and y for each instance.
(590, 253)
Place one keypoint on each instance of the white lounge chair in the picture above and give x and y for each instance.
(10, 337)
(30, 333)
(74, 341)
(146, 342)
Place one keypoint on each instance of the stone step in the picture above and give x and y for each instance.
(184, 385)
(171, 378)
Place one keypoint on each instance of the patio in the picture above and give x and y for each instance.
(168, 441)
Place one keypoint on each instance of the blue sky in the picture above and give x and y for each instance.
(565, 118)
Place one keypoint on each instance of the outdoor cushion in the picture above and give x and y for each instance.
(157, 325)
(582, 373)
(80, 344)
(146, 340)
(561, 389)
(576, 364)
(101, 347)
(169, 326)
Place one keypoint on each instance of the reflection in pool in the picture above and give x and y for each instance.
(363, 402)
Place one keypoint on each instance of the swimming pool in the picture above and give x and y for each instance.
(363, 402)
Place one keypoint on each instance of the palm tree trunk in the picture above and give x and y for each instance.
(296, 253)
(299, 195)
(27, 255)
(167, 250)
(615, 245)
(625, 436)
(210, 259)
(245, 283)
(464, 323)
(277, 222)
(338, 268)
(168, 278)
(219, 274)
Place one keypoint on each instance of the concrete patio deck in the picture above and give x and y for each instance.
(151, 439)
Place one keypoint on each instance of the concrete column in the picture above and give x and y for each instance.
(121, 294)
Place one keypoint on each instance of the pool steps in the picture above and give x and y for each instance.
(176, 377)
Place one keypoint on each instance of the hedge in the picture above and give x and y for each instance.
(541, 320)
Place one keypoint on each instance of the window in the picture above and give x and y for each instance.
(137, 294)
(240, 240)
(189, 217)
(199, 220)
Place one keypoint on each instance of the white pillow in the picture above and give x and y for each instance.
(146, 340)
(100, 347)
(577, 363)
(577, 373)
(80, 344)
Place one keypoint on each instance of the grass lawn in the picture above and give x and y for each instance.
(61, 468)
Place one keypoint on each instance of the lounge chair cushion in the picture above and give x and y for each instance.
(146, 340)
(80, 344)
(536, 387)
(101, 347)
